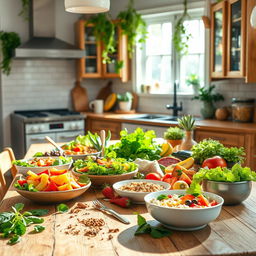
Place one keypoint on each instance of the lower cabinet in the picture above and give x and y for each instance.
(98, 125)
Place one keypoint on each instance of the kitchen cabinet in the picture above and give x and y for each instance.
(230, 39)
(98, 125)
(91, 65)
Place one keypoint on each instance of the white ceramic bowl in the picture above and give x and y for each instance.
(23, 170)
(137, 197)
(186, 219)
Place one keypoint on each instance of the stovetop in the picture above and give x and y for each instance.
(48, 115)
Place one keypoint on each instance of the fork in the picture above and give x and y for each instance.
(98, 205)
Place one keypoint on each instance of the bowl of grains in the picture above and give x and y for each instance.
(137, 189)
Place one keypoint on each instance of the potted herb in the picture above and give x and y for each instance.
(188, 124)
(125, 101)
(193, 80)
(174, 135)
(208, 98)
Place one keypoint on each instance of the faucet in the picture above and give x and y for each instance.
(175, 106)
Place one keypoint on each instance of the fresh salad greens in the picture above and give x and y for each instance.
(235, 174)
(61, 208)
(209, 148)
(25, 186)
(104, 166)
(145, 228)
(42, 162)
(138, 144)
(13, 224)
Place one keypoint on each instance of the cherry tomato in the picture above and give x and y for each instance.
(77, 149)
(22, 182)
(153, 176)
(167, 178)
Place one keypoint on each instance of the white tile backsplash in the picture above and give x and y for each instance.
(36, 84)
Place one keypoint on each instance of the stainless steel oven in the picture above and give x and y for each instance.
(29, 127)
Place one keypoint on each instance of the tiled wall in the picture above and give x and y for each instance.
(36, 84)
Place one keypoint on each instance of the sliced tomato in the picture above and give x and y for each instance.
(213, 203)
(77, 149)
(51, 187)
(167, 178)
(22, 182)
(202, 200)
(185, 178)
(46, 172)
(57, 172)
(153, 176)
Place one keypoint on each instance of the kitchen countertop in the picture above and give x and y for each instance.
(207, 124)
(232, 233)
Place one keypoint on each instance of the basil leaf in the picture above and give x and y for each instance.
(38, 228)
(39, 212)
(162, 197)
(62, 208)
(19, 228)
(35, 219)
(19, 206)
(6, 216)
(14, 240)
(157, 232)
(141, 220)
(143, 229)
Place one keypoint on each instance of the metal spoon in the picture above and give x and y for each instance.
(55, 144)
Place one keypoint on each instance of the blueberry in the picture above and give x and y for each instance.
(194, 201)
(188, 202)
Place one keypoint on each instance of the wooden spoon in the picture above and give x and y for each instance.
(102, 138)
(55, 144)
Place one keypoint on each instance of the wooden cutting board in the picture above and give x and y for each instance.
(79, 98)
(105, 91)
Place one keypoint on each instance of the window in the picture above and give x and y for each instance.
(157, 63)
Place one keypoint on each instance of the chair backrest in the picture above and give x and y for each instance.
(6, 158)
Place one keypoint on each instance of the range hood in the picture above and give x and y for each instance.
(43, 42)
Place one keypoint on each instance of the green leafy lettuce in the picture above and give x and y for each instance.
(209, 148)
(235, 174)
(138, 144)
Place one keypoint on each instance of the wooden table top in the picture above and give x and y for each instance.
(233, 233)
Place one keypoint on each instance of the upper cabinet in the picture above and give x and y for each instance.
(230, 40)
(92, 66)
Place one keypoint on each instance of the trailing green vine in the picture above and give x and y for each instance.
(25, 9)
(9, 41)
(181, 35)
(132, 25)
(104, 31)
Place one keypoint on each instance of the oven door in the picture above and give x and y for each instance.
(38, 138)
(68, 136)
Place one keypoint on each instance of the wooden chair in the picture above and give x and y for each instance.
(7, 170)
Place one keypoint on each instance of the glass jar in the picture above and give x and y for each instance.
(242, 109)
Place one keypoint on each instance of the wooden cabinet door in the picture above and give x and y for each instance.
(90, 65)
(236, 39)
(218, 40)
(227, 139)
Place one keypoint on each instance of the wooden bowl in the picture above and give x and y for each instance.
(98, 180)
(53, 196)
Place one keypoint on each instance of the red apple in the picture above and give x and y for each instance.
(214, 162)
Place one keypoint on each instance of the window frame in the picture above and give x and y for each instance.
(172, 17)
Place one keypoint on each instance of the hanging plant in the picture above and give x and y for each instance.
(104, 31)
(9, 41)
(132, 25)
(25, 9)
(181, 35)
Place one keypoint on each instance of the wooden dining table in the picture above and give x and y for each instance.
(232, 233)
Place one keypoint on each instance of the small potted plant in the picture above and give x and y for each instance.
(208, 98)
(125, 101)
(193, 80)
(174, 135)
(188, 124)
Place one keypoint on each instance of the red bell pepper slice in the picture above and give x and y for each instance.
(51, 187)
(22, 182)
